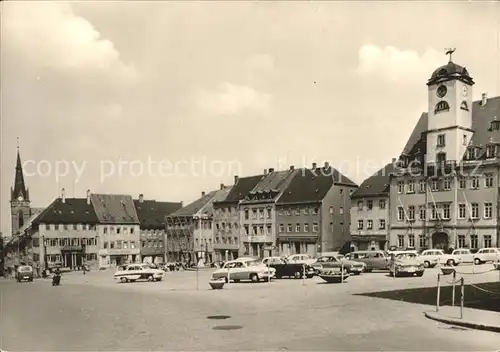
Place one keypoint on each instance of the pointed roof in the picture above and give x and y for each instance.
(152, 213)
(19, 189)
(204, 205)
(71, 211)
(376, 185)
(240, 189)
(114, 209)
(307, 186)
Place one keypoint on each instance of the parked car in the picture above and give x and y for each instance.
(286, 269)
(134, 272)
(244, 269)
(374, 260)
(337, 261)
(440, 256)
(406, 263)
(300, 259)
(24, 273)
(485, 255)
(463, 255)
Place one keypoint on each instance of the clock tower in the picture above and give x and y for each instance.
(449, 124)
(19, 199)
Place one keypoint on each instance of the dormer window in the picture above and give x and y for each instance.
(442, 72)
(491, 151)
(464, 106)
(494, 125)
(471, 154)
(441, 106)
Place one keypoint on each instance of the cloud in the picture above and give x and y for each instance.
(49, 34)
(396, 64)
(230, 99)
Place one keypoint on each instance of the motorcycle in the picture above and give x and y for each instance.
(56, 280)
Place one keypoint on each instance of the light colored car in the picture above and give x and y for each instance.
(374, 260)
(338, 261)
(440, 256)
(406, 263)
(134, 272)
(464, 256)
(244, 269)
(301, 259)
(485, 255)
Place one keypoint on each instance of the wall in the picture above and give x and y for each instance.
(375, 214)
(335, 223)
(225, 237)
(112, 235)
(152, 242)
(269, 224)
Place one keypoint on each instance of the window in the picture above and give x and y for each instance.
(360, 205)
(341, 210)
(360, 224)
(411, 187)
(474, 242)
(461, 241)
(111, 245)
(488, 210)
(471, 154)
(269, 213)
(441, 106)
(381, 224)
(411, 212)
(446, 184)
(421, 186)
(441, 141)
(131, 230)
(490, 151)
(297, 227)
(289, 228)
(422, 241)
(297, 211)
(306, 227)
(401, 213)
(441, 157)
(446, 211)
(475, 210)
(464, 140)
(401, 241)
(411, 241)
(269, 229)
(434, 213)
(261, 229)
(331, 227)
(254, 213)
(369, 204)
(56, 227)
(75, 227)
(401, 187)
(369, 224)
(316, 211)
(261, 213)
(474, 182)
(463, 106)
(247, 230)
(306, 211)
(132, 244)
(487, 241)
(315, 227)
(422, 212)
(125, 245)
(461, 211)
(488, 180)
(105, 244)
(331, 210)
(434, 186)
(462, 183)
(381, 204)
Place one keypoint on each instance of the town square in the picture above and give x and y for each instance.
(246, 176)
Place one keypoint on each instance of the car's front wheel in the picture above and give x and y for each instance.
(427, 264)
(297, 275)
(123, 280)
(477, 261)
(254, 278)
(450, 262)
(150, 278)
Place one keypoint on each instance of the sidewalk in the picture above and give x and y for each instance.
(472, 318)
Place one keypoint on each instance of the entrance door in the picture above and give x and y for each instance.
(440, 240)
(297, 248)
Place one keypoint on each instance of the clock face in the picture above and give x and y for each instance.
(20, 199)
(464, 91)
(441, 91)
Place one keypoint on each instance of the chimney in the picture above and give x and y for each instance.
(271, 169)
(314, 166)
(88, 196)
(265, 171)
(236, 178)
(203, 194)
(141, 198)
(393, 160)
(182, 204)
(292, 167)
(484, 99)
(327, 164)
(221, 186)
(63, 195)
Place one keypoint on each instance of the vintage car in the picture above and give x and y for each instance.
(134, 272)
(485, 255)
(463, 255)
(24, 273)
(286, 269)
(301, 259)
(244, 269)
(337, 261)
(406, 263)
(440, 257)
(374, 260)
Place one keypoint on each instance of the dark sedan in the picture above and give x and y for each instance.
(24, 273)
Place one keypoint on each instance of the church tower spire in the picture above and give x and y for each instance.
(19, 198)
(20, 189)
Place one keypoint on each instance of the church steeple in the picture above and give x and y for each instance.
(19, 189)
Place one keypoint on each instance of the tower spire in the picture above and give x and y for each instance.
(19, 185)
(450, 51)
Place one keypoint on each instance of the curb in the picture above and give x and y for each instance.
(460, 322)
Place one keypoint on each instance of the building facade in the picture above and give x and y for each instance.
(313, 212)
(118, 229)
(444, 192)
(227, 236)
(370, 211)
(152, 228)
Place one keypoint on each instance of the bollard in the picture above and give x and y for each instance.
(342, 272)
(462, 294)
(438, 291)
(453, 287)
(268, 273)
(303, 274)
(228, 275)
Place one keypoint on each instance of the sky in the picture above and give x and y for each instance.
(169, 99)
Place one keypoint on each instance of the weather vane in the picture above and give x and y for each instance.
(450, 51)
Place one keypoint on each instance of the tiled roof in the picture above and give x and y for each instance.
(306, 186)
(28, 223)
(337, 176)
(377, 184)
(219, 196)
(114, 209)
(193, 208)
(152, 213)
(482, 116)
(240, 190)
(270, 186)
(71, 211)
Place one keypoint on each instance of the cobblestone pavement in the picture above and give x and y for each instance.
(92, 312)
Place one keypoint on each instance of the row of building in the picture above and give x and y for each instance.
(442, 192)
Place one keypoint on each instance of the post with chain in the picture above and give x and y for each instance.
(438, 291)
(303, 274)
(342, 272)
(453, 288)
(462, 294)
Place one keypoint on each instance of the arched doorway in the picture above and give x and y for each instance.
(440, 240)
